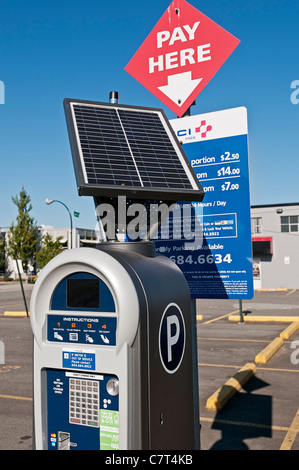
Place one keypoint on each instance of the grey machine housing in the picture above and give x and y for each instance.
(158, 407)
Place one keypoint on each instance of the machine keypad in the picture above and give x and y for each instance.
(84, 402)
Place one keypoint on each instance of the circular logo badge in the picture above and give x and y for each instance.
(172, 338)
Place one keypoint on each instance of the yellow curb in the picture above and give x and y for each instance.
(290, 330)
(291, 434)
(16, 314)
(199, 317)
(278, 289)
(264, 318)
(217, 401)
(266, 354)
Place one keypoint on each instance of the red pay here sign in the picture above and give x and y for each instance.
(181, 55)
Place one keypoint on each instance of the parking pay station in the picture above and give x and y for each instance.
(114, 358)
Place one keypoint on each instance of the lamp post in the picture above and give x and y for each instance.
(50, 201)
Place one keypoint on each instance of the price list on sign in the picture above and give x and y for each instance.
(223, 172)
(221, 265)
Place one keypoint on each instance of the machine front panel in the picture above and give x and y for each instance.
(83, 411)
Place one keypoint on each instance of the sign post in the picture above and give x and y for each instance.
(181, 55)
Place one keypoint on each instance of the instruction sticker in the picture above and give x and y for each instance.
(109, 430)
(78, 359)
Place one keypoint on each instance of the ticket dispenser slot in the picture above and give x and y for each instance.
(64, 441)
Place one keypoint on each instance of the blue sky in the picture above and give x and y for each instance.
(53, 50)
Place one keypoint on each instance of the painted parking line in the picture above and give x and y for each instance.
(230, 366)
(5, 369)
(200, 338)
(266, 318)
(6, 306)
(13, 397)
(291, 292)
(272, 369)
(291, 434)
(244, 423)
(220, 318)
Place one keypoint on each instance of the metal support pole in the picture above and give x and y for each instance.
(197, 424)
(50, 201)
(22, 289)
(71, 219)
(241, 311)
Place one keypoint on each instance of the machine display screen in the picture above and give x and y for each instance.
(83, 293)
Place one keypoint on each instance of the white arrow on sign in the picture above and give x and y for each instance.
(180, 87)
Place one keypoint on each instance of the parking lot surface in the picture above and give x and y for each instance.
(262, 415)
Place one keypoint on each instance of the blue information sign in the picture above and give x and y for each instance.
(219, 263)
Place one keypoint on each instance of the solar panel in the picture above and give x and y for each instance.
(125, 150)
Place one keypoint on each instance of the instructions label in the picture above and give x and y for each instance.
(82, 329)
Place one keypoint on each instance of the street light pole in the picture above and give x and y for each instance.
(50, 201)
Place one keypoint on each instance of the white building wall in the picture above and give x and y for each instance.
(280, 270)
(81, 237)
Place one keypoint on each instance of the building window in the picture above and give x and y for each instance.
(289, 223)
(256, 225)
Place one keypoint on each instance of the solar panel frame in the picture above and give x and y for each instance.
(144, 162)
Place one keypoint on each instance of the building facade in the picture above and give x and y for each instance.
(79, 237)
(275, 244)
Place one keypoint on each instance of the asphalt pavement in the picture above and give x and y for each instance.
(262, 415)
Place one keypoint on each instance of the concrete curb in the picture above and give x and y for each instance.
(266, 354)
(15, 314)
(275, 289)
(199, 317)
(290, 330)
(217, 401)
(264, 318)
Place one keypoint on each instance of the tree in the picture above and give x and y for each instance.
(2, 253)
(23, 237)
(48, 250)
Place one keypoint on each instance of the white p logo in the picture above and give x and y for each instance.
(172, 338)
